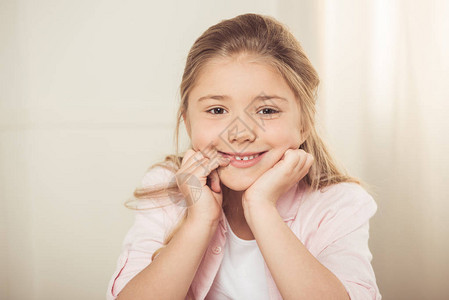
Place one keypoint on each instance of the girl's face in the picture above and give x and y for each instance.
(243, 107)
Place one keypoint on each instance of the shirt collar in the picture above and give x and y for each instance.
(288, 203)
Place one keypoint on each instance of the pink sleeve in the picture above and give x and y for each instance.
(142, 240)
(342, 239)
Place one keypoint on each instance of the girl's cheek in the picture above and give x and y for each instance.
(207, 133)
(202, 142)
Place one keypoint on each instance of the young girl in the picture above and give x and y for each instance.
(256, 208)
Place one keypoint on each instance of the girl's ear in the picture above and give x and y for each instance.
(186, 123)
(304, 134)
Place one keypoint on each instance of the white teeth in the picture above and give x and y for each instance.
(246, 157)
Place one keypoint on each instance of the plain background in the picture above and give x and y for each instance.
(88, 96)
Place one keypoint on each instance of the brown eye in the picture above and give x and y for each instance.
(216, 110)
(268, 111)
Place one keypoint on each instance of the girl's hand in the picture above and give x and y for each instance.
(198, 181)
(267, 189)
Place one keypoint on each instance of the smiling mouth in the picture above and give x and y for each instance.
(242, 156)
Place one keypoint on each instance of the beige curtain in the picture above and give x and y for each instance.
(384, 67)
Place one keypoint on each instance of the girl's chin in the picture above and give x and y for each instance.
(236, 184)
(237, 187)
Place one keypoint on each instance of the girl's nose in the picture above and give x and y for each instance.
(241, 130)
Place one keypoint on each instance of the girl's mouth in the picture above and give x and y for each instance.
(244, 160)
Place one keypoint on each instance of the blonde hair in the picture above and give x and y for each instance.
(271, 41)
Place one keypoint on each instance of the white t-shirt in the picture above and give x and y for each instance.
(241, 275)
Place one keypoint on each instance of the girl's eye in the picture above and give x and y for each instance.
(216, 110)
(268, 111)
(264, 111)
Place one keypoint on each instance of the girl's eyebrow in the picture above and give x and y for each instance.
(226, 97)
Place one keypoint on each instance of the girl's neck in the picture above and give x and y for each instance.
(233, 208)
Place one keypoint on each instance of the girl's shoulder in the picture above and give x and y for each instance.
(331, 213)
(341, 196)
(344, 189)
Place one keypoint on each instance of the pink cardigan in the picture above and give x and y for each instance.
(332, 223)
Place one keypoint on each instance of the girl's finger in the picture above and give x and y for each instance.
(303, 157)
(209, 152)
(191, 157)
(200, 170)
(201, 166)
(298, 159)
(215, 182)
(189, 153)
(205, 167)
(192, 175)
(308, 161)
(196, 167)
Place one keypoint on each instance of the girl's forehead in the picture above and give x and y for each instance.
(217, 63)
(239, 76)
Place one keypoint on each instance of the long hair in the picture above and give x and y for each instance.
(270, 41)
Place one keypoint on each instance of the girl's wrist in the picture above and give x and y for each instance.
(257, 210)
(202, 225)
